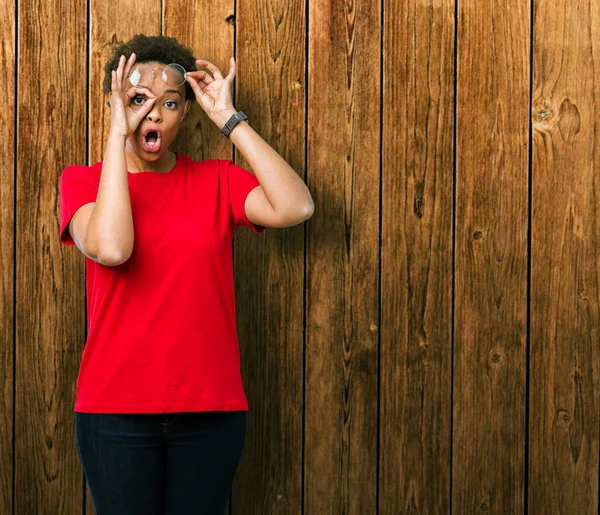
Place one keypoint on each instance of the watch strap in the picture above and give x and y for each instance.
(232, 122)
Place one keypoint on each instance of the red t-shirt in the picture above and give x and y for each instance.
(162, 332)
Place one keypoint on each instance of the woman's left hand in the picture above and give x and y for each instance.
(213, 93)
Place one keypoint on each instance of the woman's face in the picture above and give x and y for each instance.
(158, 128)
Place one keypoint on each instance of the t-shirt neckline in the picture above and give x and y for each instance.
(153, 172)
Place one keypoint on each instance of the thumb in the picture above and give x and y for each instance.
(146, 107)
(197, 86)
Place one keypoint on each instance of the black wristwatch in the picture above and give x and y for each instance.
(232, 122)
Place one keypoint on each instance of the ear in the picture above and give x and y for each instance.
(188, 105)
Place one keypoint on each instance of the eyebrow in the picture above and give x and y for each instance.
(172, 91)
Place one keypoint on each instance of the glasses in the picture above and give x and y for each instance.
(173, 74)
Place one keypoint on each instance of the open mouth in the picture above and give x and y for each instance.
(151, 141)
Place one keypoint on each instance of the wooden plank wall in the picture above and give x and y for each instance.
(415, 386)
(490, 325)
(428, 341)
(7, 250)
(565, 258)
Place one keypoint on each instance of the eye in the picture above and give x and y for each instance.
(174, 104)
(138, 97)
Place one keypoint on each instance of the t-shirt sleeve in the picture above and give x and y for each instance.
(240, 183)
(78, 186)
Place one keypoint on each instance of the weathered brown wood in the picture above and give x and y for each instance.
(111, 24)
(416, 272)
(269, 269)
(210, 38)
(49, 321)
(423, 450)
(342, 319)
(491, 258)
(563, 467)
(7, 265)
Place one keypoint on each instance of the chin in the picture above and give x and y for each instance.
(151, 156)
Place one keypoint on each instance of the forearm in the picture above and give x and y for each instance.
(110, 227)
(283, 187)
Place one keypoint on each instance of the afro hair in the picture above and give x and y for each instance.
(162, 49)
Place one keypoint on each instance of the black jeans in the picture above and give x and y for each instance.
(160, 464)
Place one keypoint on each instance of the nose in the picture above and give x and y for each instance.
(154, 114)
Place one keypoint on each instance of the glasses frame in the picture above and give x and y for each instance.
(153, 77)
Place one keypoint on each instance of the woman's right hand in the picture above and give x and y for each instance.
(124, 116)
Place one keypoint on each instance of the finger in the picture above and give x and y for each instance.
(231, 73)
(213, 69)
(120, 72)
(114, 83)
(195, 83)
(201, 75)
(145, 109)
(129, 65)
(133, 91)
(199, 86)
(139, 112)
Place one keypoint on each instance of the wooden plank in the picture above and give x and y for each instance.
(563, 468)
(213, 40)
(108, 31)
(270, 89)
(198, 136)
(49, 279)
(491, 257)
(7, 265)
(343, 257)
(416, 272)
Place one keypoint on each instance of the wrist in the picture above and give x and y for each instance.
(222, 117)
(115, 137)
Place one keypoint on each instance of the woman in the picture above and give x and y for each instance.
(160, 415)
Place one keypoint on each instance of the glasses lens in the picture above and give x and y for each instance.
(141, 76)
(174, 74)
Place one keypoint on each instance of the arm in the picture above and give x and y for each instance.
(282, 199)
(109, 232)
(105, 232)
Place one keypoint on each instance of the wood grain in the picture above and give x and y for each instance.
(416, 282)
(349, 331)
(563, 472)
(211, 37)
(269, 269)
(107, 31)
(491, 258)
(342, 315)
(7, 249)
(208, 29)
(49, 323)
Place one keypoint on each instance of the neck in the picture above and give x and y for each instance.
(136, 164)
